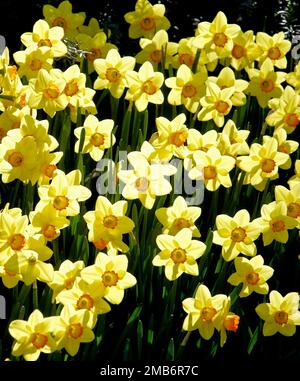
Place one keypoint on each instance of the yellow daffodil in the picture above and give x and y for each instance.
(216, 104)
(294, 180)
(179, 216)
(65, 276)
(293, 78)
(31, 60)
(232, 141)
(291, 198)
(43, 35)
(202, 311)
(9, 273)
(178, 254)
(158, 50)
(111, 273)
(281, 314)
(146, 19)
(244, 51)
(64, 193)
(275, 222)
(187, 88)
(145, 181)
(64, 17)
(273, 47)
(47, 91)
(197, 141)
(144, 86)
(262, 163)
(213, 168)
(253, 274)
(107, 224)
(32, 337)
(72, 328)
(226, 321)
(265, 83)
(236, 234)
(285, 146)
(216, 36)
(112, 71)
(285, 111)
(98, 136)
(11, 118)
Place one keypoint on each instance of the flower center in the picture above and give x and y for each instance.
(60, 21)
(39, 340)
(220, 39)
(17, 241)
(60, 202)
(177, 138)
(189, 91)
(71, 88)
(231, 323)
(100, 244)
(35, 64)
(142, 184)
(210, 172)
(181, 223)
(274, 53)
(49, 170)
(93, 54)
(155, 56)
(149, 88)
(222, 107)
(238, 51)
(49, 231)
(110, 222)
(45, 42)
(110, 278)
(75, 330)
(97, 139)
(268, 165)
(208, 313)
(85, 302)
(68, 283)
(238, 234)
(147, 23)
(293, 210)
(15, 159)
(186, 59)
(267, 85)
(252, 278)
(277, 226)
(281, 317)
(112, 75)
(178, 255)
(291, 120)
(51, 92)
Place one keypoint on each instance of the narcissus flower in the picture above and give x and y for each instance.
(187, 88)
(11, 119)
(202, 311)
(145, 181)
(111, 273)
(31, 60)
(253, 274)
(226, 321)
(32, 337)
(216, 36)
(112, 71)
(197, 141)
(291, 198)
(273, 47)
(265, 83)
(285, 146)
(98, 136)
(64, 17)
(281, 314)
(213, 168)
(244, 51)
(178, 254)
(144, 86)
(42, 35)
(146, 19)
(232, 141)
(275, 222)
(158, 50)
(179, 216)
(236, 234)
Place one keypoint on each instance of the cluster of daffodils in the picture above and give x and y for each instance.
(199, 91)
